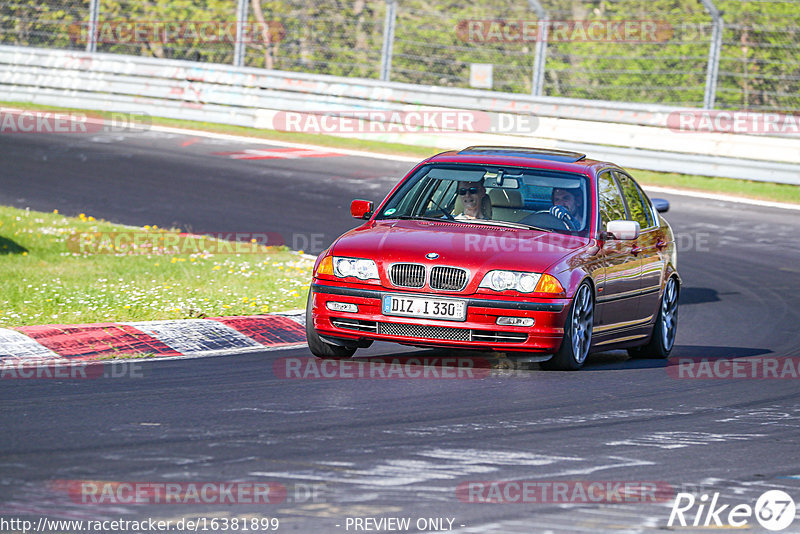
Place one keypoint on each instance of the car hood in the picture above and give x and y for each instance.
(478, 247)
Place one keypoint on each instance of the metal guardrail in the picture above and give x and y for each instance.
(634, 135)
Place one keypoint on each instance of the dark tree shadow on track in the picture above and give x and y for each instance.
(698, 295)
(7, 246)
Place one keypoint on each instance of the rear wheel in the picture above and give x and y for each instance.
(577, 333)
(317, 346)
(666, 328)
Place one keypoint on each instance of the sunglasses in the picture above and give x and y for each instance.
(472, 191)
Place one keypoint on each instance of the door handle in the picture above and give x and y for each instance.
(661, 244)
(636, 250)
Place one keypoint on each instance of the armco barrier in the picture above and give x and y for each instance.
(633, 135)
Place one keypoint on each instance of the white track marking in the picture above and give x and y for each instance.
(678, 440)
(390, 157)
(263, 141)
(198, 336)
(723, 198)
(19, 347)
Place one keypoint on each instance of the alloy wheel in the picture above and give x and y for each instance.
(582, 319)
(669, 314)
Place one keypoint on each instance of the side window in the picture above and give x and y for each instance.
(638, 208)
(611, 206)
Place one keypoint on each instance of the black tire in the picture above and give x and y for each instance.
(577, 333)
(665, 329)
(319, 348)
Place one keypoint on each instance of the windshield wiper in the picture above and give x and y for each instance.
(485, 222)
(492, 222)
(419, 218)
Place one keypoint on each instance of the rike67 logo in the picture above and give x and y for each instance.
(773, 510)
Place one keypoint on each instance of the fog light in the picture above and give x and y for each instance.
(341, 307)
(515, 321)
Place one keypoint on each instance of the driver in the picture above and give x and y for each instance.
(477, 204)
(567, 206)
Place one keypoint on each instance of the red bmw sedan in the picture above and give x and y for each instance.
(538, 253)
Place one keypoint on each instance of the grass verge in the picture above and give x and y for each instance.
(727, 186)
(67, 270)
(743, 188)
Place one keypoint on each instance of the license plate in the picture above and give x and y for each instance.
(409, 306)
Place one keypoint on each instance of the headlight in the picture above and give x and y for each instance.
(362, 269)
(503, 280)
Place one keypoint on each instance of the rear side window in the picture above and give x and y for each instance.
(638, 208)
(611, 206)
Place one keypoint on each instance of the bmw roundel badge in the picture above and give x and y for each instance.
(432, 255)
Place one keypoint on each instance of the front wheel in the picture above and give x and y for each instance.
(666, 328)
(577, 333)
(319, 348)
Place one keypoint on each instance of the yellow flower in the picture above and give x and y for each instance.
(226, 306)
(216, 268)
(24, 253)
(91, 218)
(55, 211)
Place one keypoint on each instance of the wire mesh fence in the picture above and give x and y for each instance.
(320, 37)
(658, 51)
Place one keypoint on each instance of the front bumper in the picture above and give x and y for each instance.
(478, 332)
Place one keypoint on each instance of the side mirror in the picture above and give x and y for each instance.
(361, 209)
(660, 204)
(625, 230)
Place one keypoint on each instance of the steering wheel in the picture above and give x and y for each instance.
(545, 219)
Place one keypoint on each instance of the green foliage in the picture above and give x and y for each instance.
(759, 66)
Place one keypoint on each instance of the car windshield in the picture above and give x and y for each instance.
(507, 196)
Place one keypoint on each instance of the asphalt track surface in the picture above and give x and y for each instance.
(399, 448)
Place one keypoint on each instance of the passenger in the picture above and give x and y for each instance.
(567, 206)
(476, 202)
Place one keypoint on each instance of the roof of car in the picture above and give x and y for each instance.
(544, 158)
